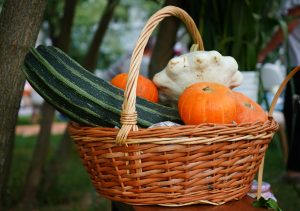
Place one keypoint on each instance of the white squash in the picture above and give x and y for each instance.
(193, 67)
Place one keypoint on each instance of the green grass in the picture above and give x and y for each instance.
(286, 194)
(24, 120)
(73, 189)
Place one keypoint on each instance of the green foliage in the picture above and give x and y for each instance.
(88, 13)
(53, 15)
(238, 28)
(86, 20)
(270, 204)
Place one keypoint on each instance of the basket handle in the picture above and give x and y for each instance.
(281, 88)
(128, 115)
(272, 107)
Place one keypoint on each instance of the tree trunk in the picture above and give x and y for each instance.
(35, 171)
(90, 61)
(166, 38)
(57, 165)
(6, 166)
(39, 158)
(19, 25)
(64, 39)
(63, 151)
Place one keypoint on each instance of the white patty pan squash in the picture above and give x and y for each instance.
(193, 67)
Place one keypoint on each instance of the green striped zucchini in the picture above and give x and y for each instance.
(61, 104)
(66, 102)
(108, 88)
(90, 100)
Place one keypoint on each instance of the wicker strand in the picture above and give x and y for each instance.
(260, 178)
(136, 59)
(129, 121)
(281, 88)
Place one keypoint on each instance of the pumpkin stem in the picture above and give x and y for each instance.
(249, 105)
(207, 89)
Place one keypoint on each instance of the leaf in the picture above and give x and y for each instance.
(269, 203)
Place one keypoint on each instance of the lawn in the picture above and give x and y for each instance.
(73, 190)
(288, 195)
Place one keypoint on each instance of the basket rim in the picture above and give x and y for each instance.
(186, 134)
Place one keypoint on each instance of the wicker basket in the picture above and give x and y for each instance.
(172, 166)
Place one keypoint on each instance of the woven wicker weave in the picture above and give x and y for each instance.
(171, 166)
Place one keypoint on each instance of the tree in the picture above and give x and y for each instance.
(242, 37)
(90, 62)
(19, 25)
(62, 40)
(34, 174)
(166, 38)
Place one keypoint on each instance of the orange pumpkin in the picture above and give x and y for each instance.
(145, 87)
(206, 102)
(248, 110)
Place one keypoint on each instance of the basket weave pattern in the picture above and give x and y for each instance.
(186, 165)
(171, 166)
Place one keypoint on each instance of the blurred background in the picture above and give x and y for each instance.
(46, 173)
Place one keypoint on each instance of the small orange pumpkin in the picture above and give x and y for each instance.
(248, 110)
(145, 87)
(206, 102)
